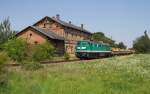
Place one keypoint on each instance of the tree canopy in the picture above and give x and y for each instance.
(100, 36)
(122, 45)
(142, 44)
(5, 31)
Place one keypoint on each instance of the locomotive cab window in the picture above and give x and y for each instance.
(84, 43)
(97, 45)
(78, 43)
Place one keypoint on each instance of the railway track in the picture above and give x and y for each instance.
(63, 61)
(54, 62)
(45, 62)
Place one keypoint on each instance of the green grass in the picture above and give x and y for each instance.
(116, 75)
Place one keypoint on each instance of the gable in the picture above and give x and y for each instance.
(59, 23)
(31, 36)
(51, 25)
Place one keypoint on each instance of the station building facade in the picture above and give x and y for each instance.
(62, 35)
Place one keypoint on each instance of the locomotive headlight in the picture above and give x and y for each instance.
(83, 48)
(78, 48)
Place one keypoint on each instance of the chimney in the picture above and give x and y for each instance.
(82, 26)
(57, 16)
(69, 22)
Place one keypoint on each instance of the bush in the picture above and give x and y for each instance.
(3, 71)
(3, 59)
(142, 44)
(16, 49)
(67, 56)
(43, 52)
(31, 65)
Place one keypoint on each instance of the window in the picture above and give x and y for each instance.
(85, 43)
(30, 34)
(44, 25)
(78, 43)
(35, 42)
(97, 45)
(66, 34)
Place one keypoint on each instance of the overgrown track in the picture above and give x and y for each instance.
(52, 62)
(63, 61)
(45, 62)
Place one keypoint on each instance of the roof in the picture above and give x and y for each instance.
(70, 25)
(45, 32)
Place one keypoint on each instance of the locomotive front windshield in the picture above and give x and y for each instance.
(82, 45)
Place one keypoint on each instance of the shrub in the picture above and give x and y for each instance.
(16, 49)
(3, 59)
(43, 51)
(67, 56)
(3, 72)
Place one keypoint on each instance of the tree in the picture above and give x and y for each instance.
(5, 31)
(122, 45)
(99, 36)
(142, 44)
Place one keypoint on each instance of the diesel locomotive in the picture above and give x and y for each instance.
(90, 50)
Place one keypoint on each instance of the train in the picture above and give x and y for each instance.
(91, 50)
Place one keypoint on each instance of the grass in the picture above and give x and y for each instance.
(116, 75)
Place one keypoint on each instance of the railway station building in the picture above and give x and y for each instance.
(62, 35)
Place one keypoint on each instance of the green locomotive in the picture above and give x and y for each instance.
(88, 49)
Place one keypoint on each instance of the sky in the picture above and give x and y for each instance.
(123, 20)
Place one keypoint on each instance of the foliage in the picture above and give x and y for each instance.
(5, 31)
(122, 45)
(142, 44)
(117, 75)
(99, 36)
(3, 72)
(3, 59)
(67, 56)
(43, 51)
(16, 49)
(31, 65)
(19, 50)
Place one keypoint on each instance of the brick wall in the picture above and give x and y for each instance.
(52, 26)
(32, 37)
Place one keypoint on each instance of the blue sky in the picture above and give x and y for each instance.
(123, 20)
